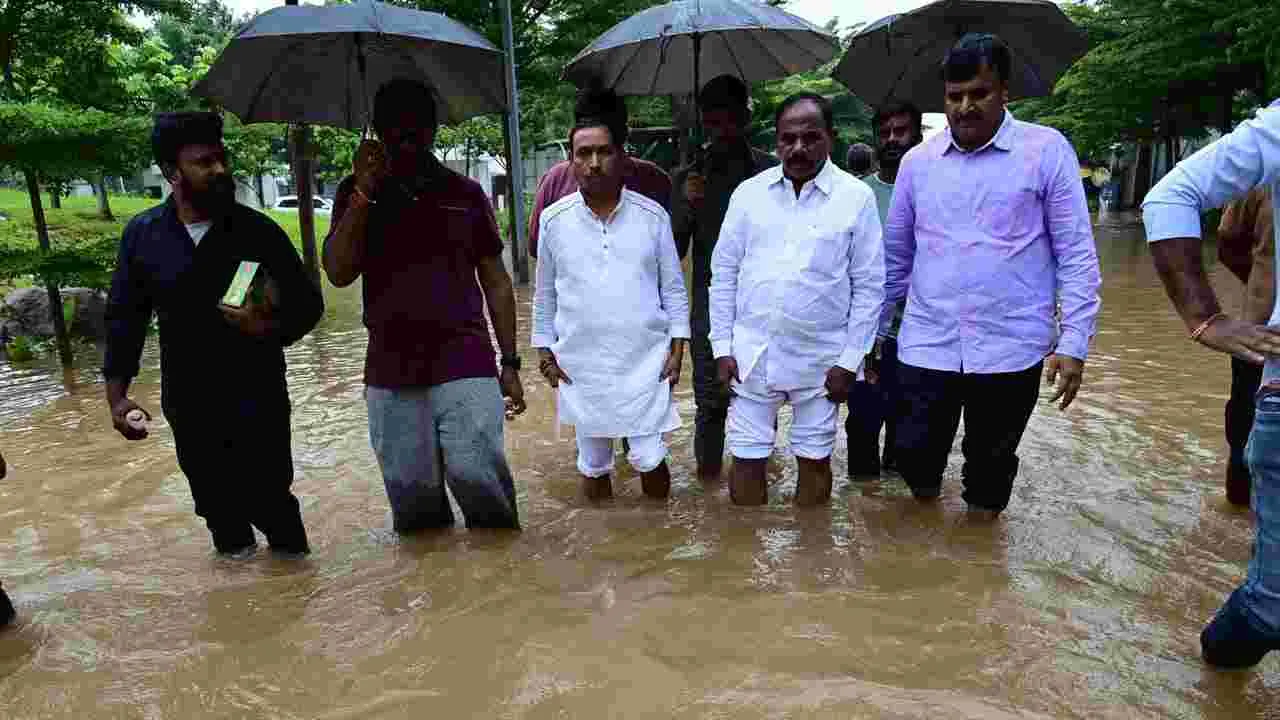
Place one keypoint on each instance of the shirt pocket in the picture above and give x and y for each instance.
(829, 250)
(1009, 213)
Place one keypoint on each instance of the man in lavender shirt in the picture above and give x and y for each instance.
(987, 227)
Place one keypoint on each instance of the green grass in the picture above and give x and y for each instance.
(78, 220)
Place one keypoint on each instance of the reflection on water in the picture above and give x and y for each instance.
(1084, 601)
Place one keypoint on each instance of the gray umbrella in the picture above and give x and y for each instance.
(899, 57)
(319, 64)
(653, 52)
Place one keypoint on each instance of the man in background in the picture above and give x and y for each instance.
(861, 160)
(638, 175)
(873, 402)
(701, 199)
(1246, 246)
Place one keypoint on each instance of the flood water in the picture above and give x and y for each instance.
(1085, 600)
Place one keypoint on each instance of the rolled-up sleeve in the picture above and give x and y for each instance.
(726, 260)
(1076, 254)
(866, 279)
(129, 309)
(1226, 169)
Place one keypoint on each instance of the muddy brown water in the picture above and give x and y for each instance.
(1084, 601)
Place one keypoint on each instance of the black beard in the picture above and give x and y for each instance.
(216, 199)
(888, 159)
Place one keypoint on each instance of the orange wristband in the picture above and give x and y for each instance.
(1195, 334)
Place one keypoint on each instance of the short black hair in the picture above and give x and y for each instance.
(894, 108)
(967, 56)
(401, 94)
(861, 159)
(174, 131)
(598, 106)
(828, 115)
(723, 92)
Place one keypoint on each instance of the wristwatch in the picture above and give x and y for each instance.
(511, 361)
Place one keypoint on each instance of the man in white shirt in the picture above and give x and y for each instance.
(611, 314)
(1247, 627)
(797, 284)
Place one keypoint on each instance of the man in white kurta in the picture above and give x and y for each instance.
(796, 289)
(610, 316)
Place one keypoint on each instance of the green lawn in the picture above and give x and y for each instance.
(78, 220)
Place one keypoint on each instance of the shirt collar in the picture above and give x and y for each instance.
(1002, 140)
(822, 180)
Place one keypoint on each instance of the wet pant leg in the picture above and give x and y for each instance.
(997, 407)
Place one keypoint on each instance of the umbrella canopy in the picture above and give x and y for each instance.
(899, 57)
(321, 65)
(653, 52)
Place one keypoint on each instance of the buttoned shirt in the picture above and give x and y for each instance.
(985, 240)
(801, 276)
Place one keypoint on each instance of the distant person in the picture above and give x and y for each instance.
(425, 243)
(861, 160)
(560, 181)
(7, 613)
(611, 314)
(222, 368)
(873, 403)
(796, 289)
(987, 228)
(1246, 246)
(1247, 627)
(701, 199)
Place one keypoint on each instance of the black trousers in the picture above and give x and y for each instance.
(996, 408)
(240, 471)
(1238, 421)
(710, 396)
(872, 407)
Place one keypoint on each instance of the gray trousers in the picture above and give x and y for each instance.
(425, 437)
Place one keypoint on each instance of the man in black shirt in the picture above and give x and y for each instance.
(222, 368)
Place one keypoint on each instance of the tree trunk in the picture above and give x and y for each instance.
(519, 255)
(55, 297)
(466, 151)
(303, 178)
(55, 197)
(260, 191)
(104, 203)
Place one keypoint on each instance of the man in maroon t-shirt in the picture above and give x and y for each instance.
(638, 175)
(422, 236)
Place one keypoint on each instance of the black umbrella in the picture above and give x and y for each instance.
(899, 57)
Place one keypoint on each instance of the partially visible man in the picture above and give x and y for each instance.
(222, 369)
(1246, 246)
(7, 613)
(1247, 627)
(426, 243)
(873, 403)
(861, 160)
(988, 222)
(698, 209)
(797, 284)
(560, 181)
(611, 314)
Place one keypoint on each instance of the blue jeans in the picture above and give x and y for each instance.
(425, 437)
(1261, 589)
